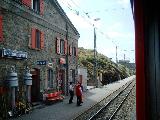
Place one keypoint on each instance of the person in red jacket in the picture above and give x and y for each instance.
(79, 94)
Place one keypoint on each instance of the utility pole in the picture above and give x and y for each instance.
(67, 61)
(95, 56)
(95, 60)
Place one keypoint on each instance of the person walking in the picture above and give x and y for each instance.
(79, 94)
(82, 92)
(71, 92)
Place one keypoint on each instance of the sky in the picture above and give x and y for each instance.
(114, 26)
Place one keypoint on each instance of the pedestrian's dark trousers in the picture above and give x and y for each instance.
(78, 100)
(71, 96)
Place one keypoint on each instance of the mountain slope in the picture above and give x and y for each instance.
(110, 70)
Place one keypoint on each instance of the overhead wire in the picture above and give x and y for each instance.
(87, 17)
(87, 14)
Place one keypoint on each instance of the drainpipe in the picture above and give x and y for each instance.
(67, 61)
(28, 83)
(12, 82)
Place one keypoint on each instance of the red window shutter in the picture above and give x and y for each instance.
(33, 40)
(1, 29)
(65, 47)
(27, 2)
(41, 7)
(42, 40)
(76, 51)
(58, 45)
(70, 50)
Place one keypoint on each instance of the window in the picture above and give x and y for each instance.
(70, 50)
(36, 5)
(62, 46)
(50, 78)
(74, 51)
(72, 74)
(37, 39)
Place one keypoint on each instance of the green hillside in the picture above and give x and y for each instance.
(110, 70)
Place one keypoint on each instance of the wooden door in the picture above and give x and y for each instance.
(80, 78)
(35, 88)
(62, 80)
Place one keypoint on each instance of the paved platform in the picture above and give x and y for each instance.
(65, 111)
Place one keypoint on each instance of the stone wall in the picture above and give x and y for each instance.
(18, 20)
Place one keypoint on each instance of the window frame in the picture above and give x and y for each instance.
(62, 46)
(50, 78)
(73, 75)
(38, 39)
(35, 4)
(74, 51)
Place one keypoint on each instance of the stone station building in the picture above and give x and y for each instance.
(37, 34)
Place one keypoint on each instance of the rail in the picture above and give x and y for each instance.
(110, 102)
(96, 107)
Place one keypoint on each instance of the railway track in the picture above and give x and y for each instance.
(107, 108)
(108, 111)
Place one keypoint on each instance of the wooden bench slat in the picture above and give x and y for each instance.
(54, 96)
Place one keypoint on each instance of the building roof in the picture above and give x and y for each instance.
(59, 8)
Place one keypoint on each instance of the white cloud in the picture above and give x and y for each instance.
(107, 51)
(115, 26)
(120, 35)
(124, 3)
(78, 21)
(67, 3)
(117, 31)
(112, 30)
(110, 52)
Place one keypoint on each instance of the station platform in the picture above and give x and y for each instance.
(65, 111)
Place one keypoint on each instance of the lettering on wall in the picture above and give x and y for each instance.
(41, 62)
(8, 53)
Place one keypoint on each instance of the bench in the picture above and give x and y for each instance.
(54, 96)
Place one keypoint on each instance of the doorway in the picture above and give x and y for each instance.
(61, 80)
(35, 88)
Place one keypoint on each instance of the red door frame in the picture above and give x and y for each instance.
(140, 61)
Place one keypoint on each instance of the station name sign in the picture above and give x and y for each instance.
(8, 53)
(41, 62)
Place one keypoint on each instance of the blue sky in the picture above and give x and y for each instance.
(115, 27)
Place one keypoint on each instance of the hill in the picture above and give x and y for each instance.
(110, 71)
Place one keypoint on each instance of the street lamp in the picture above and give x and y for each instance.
(95, 54)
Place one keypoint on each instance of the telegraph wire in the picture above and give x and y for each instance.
(87, 17)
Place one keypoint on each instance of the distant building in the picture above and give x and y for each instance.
(131, 66)
(124, 61)
(82, 77)
(37, 34)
